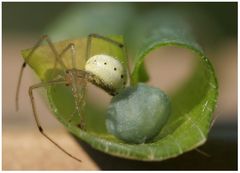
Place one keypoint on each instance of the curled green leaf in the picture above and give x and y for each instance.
(192, 105)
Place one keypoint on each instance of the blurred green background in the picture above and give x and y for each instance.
(18, 16)
(215, 28)
(35, 17)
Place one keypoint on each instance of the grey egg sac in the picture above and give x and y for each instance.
(137, 114)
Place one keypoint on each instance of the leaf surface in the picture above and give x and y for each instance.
(192, 104)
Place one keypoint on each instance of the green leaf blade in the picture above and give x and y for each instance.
(192, 104)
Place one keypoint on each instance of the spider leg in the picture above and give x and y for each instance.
(91, 36)
(45, 84)
(77, 86)
(52, 47)
(73, 51)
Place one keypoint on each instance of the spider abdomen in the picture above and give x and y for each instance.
(107, 73)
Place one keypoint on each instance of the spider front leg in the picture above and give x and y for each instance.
(57, 57)
(46, 84)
